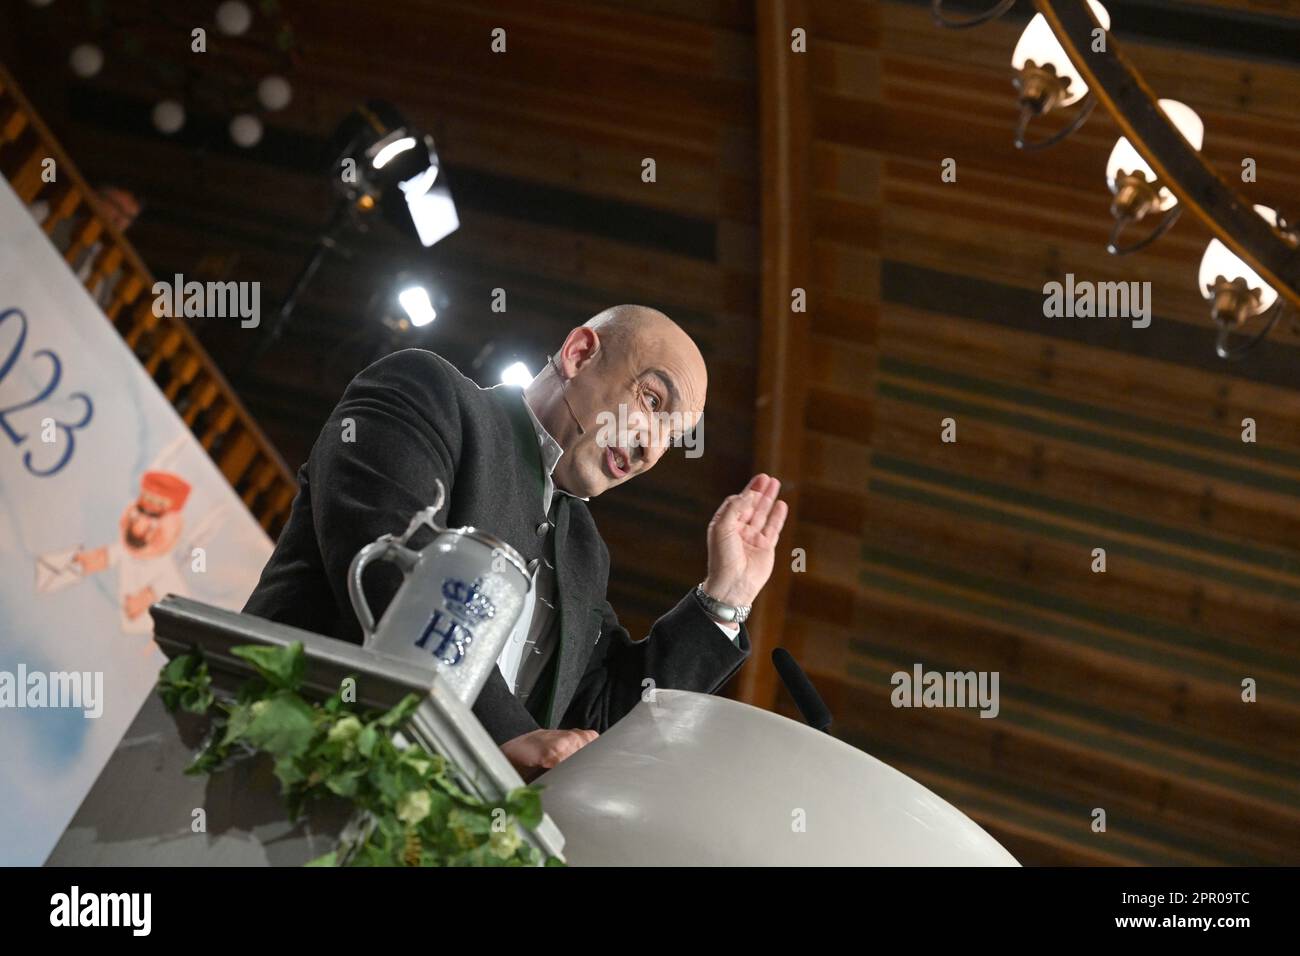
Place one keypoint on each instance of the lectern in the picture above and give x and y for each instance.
(683, 779)
(693, 780)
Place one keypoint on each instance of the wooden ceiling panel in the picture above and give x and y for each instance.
(977, 554)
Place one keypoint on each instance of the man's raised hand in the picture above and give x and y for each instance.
(742, 541)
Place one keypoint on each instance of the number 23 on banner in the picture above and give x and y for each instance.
(55, 373)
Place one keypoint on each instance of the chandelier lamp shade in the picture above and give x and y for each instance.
(1238, 294)
(1136, 188)
(1066, 58)
(1046, 79)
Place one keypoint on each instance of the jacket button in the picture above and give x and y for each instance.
(543, 528)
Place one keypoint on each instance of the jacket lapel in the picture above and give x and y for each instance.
(574, 608)
(573, 580)
(525, 436)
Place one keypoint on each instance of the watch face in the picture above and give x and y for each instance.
(716, 609)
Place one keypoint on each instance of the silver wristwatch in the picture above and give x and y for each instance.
(727, 613)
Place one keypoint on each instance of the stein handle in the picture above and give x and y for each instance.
(389, 548)
(385, 549)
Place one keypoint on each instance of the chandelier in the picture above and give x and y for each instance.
(1065, 59)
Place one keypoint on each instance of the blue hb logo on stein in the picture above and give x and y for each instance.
(463, 605)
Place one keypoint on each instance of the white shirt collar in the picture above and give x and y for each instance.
(551, 453)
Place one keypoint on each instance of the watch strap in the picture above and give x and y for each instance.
(719, 610)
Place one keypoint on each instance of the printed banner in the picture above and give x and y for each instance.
(107, 503)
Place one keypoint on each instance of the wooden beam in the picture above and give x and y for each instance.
(785, 138)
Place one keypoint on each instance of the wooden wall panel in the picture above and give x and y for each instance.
(1120, 689)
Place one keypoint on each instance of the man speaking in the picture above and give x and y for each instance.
(520, 466)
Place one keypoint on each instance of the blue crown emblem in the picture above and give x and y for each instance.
(467, 600)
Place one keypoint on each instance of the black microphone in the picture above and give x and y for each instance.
(806, 698)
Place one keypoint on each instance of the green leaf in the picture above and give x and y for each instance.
(468, 824)
(344, 730)
(439, 806)
(414, 806)
(448, 784)
(366, 741)
(197, 700)
(347, 782)
(184, 683)
(400, 713)
(211, 756)
(179, 668)
(528, 855)
(288, 773)
(237, 724)
(281, 667)
(329, 859)
(525, 805)
(504, 843)
(387, 783)
(283, 727)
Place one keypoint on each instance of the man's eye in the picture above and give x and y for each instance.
(653, 399)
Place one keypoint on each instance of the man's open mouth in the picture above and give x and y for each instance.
(617, 461)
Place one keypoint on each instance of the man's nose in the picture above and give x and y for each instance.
(648, 452)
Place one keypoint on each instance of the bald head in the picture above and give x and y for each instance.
(630, 367)
(624, 329)
(622, 324)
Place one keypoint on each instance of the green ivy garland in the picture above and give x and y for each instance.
(412, 811)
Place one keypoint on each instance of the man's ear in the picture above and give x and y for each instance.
(580, 347)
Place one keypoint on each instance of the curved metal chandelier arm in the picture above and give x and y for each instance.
(936, 11)
(1086, 106)
(1239, 351)
(1181, 169)
(1115, 249)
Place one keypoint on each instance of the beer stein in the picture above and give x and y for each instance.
(459, 601)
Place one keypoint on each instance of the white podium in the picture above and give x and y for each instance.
(695, 780)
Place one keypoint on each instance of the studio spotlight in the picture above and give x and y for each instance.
(415, 300)
(389, 147)
(378, 162)
(385, 162)
(403, 302)
(516, 374)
